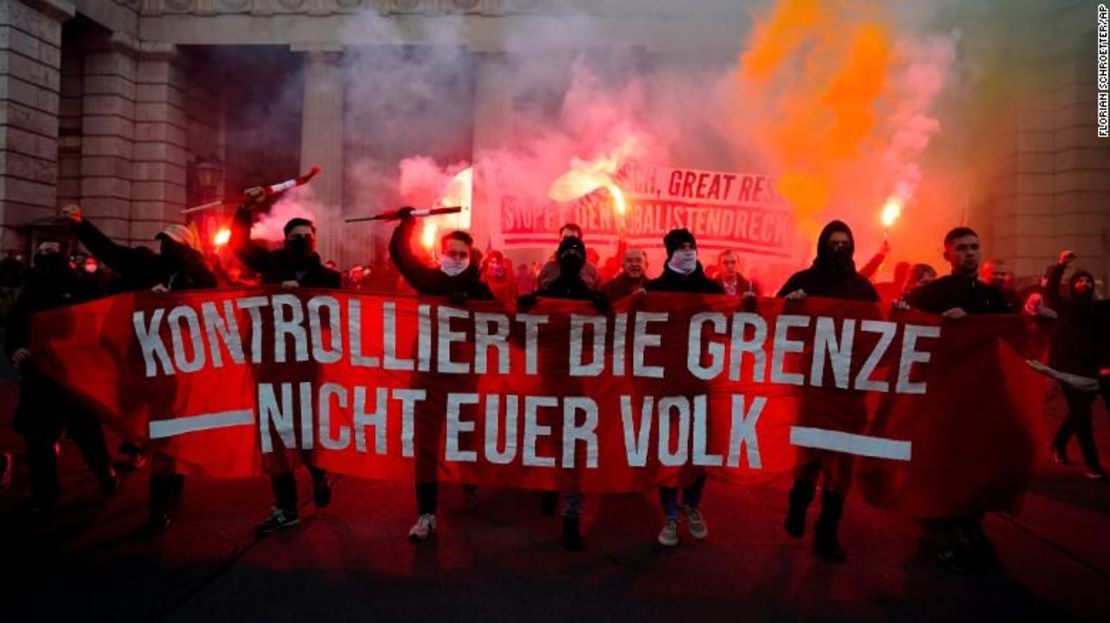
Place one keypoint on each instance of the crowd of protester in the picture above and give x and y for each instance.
(1065, 296)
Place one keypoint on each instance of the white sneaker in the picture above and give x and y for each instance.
(696, 523)
(424, 527)
(668, 536)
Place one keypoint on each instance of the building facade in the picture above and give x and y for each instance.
(126, 106)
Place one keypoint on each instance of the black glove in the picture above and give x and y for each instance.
(456, 298)
(601, 303)
(405, 213)
(526, 302)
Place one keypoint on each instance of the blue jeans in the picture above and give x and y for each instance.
(691, 496)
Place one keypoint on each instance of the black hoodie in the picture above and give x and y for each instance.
(279, 265)
(830, 278)
(1075, 346)
(432, 281)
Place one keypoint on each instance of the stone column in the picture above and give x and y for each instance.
(493, 124)
(158, 191)
(322, 143)
(107, 134)
(30, 59)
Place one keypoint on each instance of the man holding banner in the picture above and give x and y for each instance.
(294, 265)
(178, 266)
(833, 275)
(683, 273)
(457, 278)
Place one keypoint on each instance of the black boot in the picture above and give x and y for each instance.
(800, 497)
(825, 543)
(572, 537)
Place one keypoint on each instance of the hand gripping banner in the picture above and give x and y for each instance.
(935, 418)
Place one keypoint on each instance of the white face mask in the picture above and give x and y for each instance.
(452, 267)
(684, 262)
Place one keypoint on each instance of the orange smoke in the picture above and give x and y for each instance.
(817, 70)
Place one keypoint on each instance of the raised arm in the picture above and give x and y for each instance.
(400, 250)
(250, 252)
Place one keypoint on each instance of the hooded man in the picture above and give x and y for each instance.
(295, 264)
(682, 273)
(45, 407)
(550, 270)
(832, 275)
(458, 279)
(1075, 348)
(569, 284)
(177, 266)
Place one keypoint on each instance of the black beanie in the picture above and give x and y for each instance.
(676, 238)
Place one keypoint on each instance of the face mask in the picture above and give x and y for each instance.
(684, 262)
(570, 263)
(300, 246)
(453, 267)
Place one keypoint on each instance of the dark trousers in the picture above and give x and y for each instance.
(1078, 422)
(42, 461)
(284, 486)
(427, 495)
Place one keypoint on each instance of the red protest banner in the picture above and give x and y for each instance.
(560, 398)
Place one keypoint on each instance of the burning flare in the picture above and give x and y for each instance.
(586, 176)
(428, 236)
(222, 237)
(892, 209)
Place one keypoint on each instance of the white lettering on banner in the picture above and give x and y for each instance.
(701, 455)
(484, 340)
(189, 339)
(389, 340)
(783, 346)
(512, 413)
(575, 432)
(600, 333)
(886, 331)
(742, 433)
(254, 305)
(447, 337)
(531, 338)
(150, 342)
(327, 441)
(910, 356)
(319, 352)
(456, 426)
(715, 350)
(839, 351)
(740, 324)
(533, 430)
(636, 441)
(681, 453)
(408, 398)
(225, 329)
(276, 417)
(641, 340)
(377, 419)
(354, 333)
(293, 326)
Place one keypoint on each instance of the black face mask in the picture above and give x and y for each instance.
(838, 261)
(571, 264)
(300, 247)
(174, 252)
(52, 262)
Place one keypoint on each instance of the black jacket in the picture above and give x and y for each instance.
(696, 282)
(431, 281)
(1076, 334)
(45, 290)
(141, 268)
(826, 279)
(278, 266)
(968, 293)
